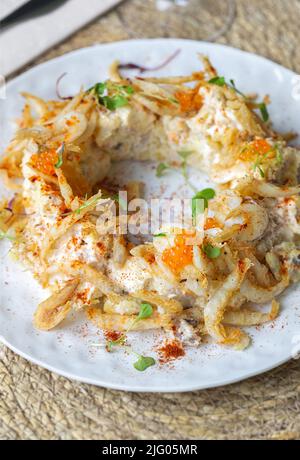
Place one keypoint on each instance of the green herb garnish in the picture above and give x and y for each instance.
(145, 312)
(264, 112)
(173, 100)
(233, 86)
(219, 81)
(258, 167)
(60, 153)
(279, 155)
(113, 103)
(207, 193)
(111, 95)
(4, 235)
(185, 154)
(86, 204)
(99, 88)
(200, 202)
(116, 343)
(211, 251)
(143, 363)
(159, 235)
(161, 168)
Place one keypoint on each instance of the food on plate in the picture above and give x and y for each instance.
(209, 279)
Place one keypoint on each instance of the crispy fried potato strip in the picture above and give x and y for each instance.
(216, 307)
(54, 310)
(170, 306)
(121, 323)
(257, 294)
(250, 317)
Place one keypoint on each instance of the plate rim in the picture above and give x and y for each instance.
(128, 387)
(145, 40)
(144, 389)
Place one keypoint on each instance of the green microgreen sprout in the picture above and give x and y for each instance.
(5, 235)
(87, 204)
(112, 95)
(257, 166)
(200, 202)
(60, 153)
(143, 362)
(183, 169)
(211, 251)
(261, 106)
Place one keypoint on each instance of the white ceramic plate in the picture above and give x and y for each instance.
(67, 350)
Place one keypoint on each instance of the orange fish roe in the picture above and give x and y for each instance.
(45, 161)
(211, 222)
(189, 100)
(179, 256)
(257, 147)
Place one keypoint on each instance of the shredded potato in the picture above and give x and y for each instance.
(257, 294)
(114, 322)
(216, 307)
(194, 281)
(249, 317)
(54, 310)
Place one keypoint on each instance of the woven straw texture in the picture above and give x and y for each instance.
(37, 404)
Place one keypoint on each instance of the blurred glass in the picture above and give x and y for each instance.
(194, 19)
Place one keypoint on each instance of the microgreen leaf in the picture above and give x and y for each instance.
(264, 112)
(60, 153)
(161, 168)
(158, 235)
(232, 82)
(111, 95)
(100, 88)
(113, 103)
(116, 343)
(220, 81)
(257, 166)
(185, 154)
(145, 312)
(4, 235)
(211, 251)
(173, 100)
(128, 89)
(279, 155)
(86, 204)
(207, 193)
(143, 363)
(200, 201)
(198, 207)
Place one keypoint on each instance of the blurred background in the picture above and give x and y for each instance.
(31, 28)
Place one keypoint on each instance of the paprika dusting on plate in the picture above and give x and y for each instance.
(170, 350)
(112, 336)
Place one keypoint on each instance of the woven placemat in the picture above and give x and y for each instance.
(37, 404)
